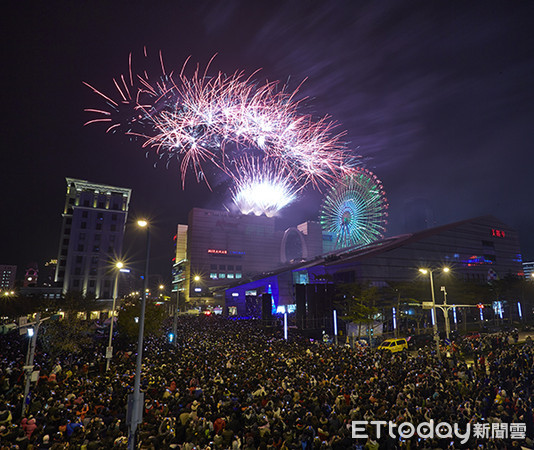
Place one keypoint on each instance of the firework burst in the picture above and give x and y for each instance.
(220, 120)
(262, 186)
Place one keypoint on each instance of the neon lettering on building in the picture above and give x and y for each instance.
(215, 251)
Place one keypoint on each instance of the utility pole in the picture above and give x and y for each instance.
(28, 368)
(175, 323)
(445, 310)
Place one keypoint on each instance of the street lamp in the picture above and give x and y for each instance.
(445, 310)
(175, 320)
(435, 322)
(136, 415)
(28, 367)
(109, 351)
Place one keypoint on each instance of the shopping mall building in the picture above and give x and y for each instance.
(232, 260)
(479, 250)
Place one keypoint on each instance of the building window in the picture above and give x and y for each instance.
(231, 267)
(82, 237)
(94, 260)
(230, 275)
(86, 203)
(100, 216)
(83, 225)
(238, 275)
(107, 283)
(92, 283)
(80, 247)
(65, 242)
(222, 275)
(97, 237)
(79, 259)
(238, 268)
(98, 226)
(85, 214)
(112, 238)
(68, 221)
(213, 267)
(114, 216)
(222, 267)
(76, 283)
(77, 271)
(113, 227)
(213, 276)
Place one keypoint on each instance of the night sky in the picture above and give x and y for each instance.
(437, 97)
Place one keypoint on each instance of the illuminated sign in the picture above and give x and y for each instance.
(498, 233)
(215, 251)
(476, 261)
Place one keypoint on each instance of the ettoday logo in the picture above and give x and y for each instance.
(441, 430)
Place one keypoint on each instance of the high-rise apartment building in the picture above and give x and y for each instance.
(7, 277)
(92, 232)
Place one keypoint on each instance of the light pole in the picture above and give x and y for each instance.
(136, 415)
(334, 312)
(435, 324)
(197, 289)
(445, 310)
(28, 368)
(109, 351)
(175, 322)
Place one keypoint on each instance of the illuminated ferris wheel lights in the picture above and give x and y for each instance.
(355, 210)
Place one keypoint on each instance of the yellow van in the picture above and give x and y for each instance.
(394, 345)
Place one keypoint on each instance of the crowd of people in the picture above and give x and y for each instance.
(230, 385)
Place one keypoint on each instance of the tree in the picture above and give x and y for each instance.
(405, 295)
(130, 327)
(357, 303)
(75, 302)
(68, 336)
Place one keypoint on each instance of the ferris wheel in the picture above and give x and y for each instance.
(355, 210)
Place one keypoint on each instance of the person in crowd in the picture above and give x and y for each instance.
(230, 385)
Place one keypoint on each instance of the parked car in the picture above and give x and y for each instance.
(473, 335)
(420, 340)
(394, 345)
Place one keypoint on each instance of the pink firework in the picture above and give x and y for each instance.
(220, 119)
